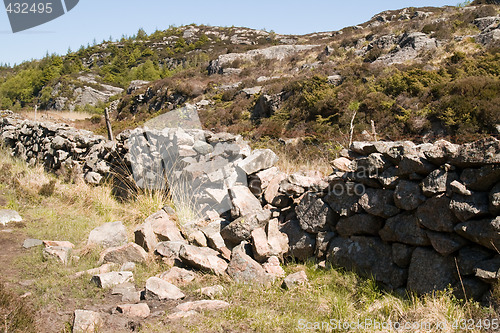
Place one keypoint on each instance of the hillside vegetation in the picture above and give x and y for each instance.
(417, 73)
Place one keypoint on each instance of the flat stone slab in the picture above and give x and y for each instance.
(9, 215)
(86, 321)
(30, 242)
(157, 288)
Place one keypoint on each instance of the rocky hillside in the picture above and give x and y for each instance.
(417, 73)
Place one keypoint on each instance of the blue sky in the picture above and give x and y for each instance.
(93, 19)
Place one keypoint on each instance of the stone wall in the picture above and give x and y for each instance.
(420, 217)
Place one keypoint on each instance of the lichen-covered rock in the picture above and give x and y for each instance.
(301, 244)
(314, 214)
(404, 228)
(379, 203)
(359, 224)
(368, 256)
(485, 232)
(444, 221)
(470, 206)
(429, 271)
(241, 229)
(408, 195)
(242, 268)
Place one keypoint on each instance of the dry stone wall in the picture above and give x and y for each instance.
(418, 217)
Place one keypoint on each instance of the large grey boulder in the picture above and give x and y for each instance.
(404, 228)
(379, 202)
(485, 232)
(314, 214)
(444, 221)
(301, 244)
(481, 179)
(430, 271)
(203, 258)
(258, 160)
(242, 268)
(108, 235)
(408, 195)
(359, 224)
(158, 289)
(470, 206)
(368, 256)
(240, 229)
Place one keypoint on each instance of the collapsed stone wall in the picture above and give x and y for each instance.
(420, 217)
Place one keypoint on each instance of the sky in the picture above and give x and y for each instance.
(100, 19)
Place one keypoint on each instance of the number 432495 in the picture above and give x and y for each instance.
(25, 8)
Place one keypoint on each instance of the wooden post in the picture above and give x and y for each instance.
(36, 108)
(108, 124)
(374, 132)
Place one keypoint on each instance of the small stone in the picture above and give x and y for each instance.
(159, 289)
(123, 288)
(273, 267)
(181, 314)
(134, 310)
(128, 266)
(295, 279)
(58, 243)
(59, 252)
(30, 242)
(178, 276)
(203, 305)
(107, 280)
(211, 291)
(244, 202)
(459, 188)
(131, 297)
(87, 321)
